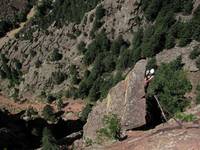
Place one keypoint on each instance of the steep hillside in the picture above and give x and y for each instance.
(48, 61)
(45, 60)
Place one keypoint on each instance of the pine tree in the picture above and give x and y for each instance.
(60, 104)
(170, 41)
(48, 113)
(48, 141)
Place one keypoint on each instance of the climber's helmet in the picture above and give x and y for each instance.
(152, 71)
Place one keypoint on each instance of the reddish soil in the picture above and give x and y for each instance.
(70, 106)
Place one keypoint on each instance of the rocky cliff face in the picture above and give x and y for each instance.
(126, 100)
(38, 70)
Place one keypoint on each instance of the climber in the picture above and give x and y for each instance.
(149, 75)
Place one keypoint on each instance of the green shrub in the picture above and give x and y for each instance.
(186, 117)
(15, 95)
(43, 8)
(48, 141)
(170, 41)
(74, 76)
(137, 39)
(152, 9)
(99, 45)
(164, 20)
(111, 128)
(85, 86)
(72, 92)
(2, 74)
(195, 24)
(85, 112)
(4, 27)
(94, 92)
(98, 66)
(102, 41)
(90, 54)
(145, 4)
(146, 49)
(71, 36)
(50, 98)
(59, 104)
(88, 142)
(14, 75)
(17, 64)
(81, 47)
(100, 12)
(48, 113)
(58, 77)
(30, 112)
(184, 6)
(124, 60)
(187, 7)
(184, 41)
(116, 45)
(55, 55)
(198, 94)
(109, 62)
(170, 84)
(185, 34)
(118, 77)
(38, 63)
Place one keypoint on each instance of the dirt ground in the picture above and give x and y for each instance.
(70, 106)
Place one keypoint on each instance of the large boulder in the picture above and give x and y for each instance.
(126, 100)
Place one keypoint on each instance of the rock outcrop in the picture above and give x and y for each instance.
(126, 100)
(167, 56)
(166, 136)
